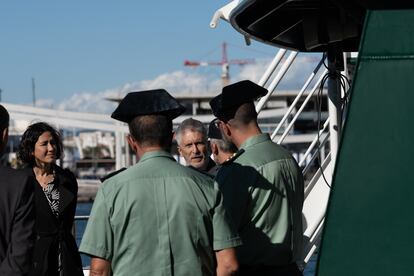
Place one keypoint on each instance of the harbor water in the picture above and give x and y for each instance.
(84, 209)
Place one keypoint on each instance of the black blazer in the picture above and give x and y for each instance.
(16, 222)
(52, 233)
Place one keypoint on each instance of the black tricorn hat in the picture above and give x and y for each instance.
(213, 131)
(148, 102)
(225, 105)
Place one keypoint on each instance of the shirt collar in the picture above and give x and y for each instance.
(255, 140)
(155, 153)
(211, 164)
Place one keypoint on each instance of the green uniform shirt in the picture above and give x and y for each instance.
(158, 218)
(263, 192)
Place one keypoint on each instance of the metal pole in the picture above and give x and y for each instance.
(346, 86)
(272, 66)
(127, 155)
(334, 96)
(118, 150)
(276, 80)
(312, 145)
(305, 102)
(123, 150)
(34, 92)
(292, 106)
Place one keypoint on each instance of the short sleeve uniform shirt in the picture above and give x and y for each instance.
(159, 218)
(263, 192)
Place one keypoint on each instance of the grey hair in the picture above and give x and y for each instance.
(224, 145)
(192, 125)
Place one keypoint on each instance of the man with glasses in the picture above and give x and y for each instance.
(262, 187)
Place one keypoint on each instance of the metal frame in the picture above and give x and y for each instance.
(305, 102)
(284, 68)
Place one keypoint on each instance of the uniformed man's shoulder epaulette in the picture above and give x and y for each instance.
(233, 157)
(112, 174)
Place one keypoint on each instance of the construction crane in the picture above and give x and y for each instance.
(224, 63)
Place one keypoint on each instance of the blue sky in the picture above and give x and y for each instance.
(100, 47)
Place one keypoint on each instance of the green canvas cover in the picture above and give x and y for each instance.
(370, 219)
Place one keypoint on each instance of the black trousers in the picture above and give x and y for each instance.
(262, 270)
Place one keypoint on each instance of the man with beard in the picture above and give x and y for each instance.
(191, 137)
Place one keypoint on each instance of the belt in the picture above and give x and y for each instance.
(57, 233)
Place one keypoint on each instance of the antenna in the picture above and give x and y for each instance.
(34, 92)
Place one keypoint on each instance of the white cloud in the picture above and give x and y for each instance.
(89, 102)
(295, 77)
(299, 71)
(182, 82)
(177, 82)
(252, 72)
(45, 103)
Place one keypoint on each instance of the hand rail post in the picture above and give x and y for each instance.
(292, 106)
(316, 86)
(285, 67)
(272, 66)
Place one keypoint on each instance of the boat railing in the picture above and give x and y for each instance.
(279, 75)
(81, 218)
(299, 111)
(316, 196)
(78, 219)
(315, 142)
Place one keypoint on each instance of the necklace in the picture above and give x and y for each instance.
(44, 179)
(230, 157)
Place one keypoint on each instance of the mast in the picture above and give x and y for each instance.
(34, 92)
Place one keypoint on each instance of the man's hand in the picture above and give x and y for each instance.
(100, 267)
(227, 263)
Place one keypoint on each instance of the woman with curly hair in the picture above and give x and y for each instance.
(55, 253)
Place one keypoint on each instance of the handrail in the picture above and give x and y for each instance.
(318, 174)
(285, 133)
(77, 218)
(314, 142)
(272, 67)
(285, 67)
(313, 241)
(314, 230)
(321, 144)
(292, 106)
(81, 217)
(310, 232)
